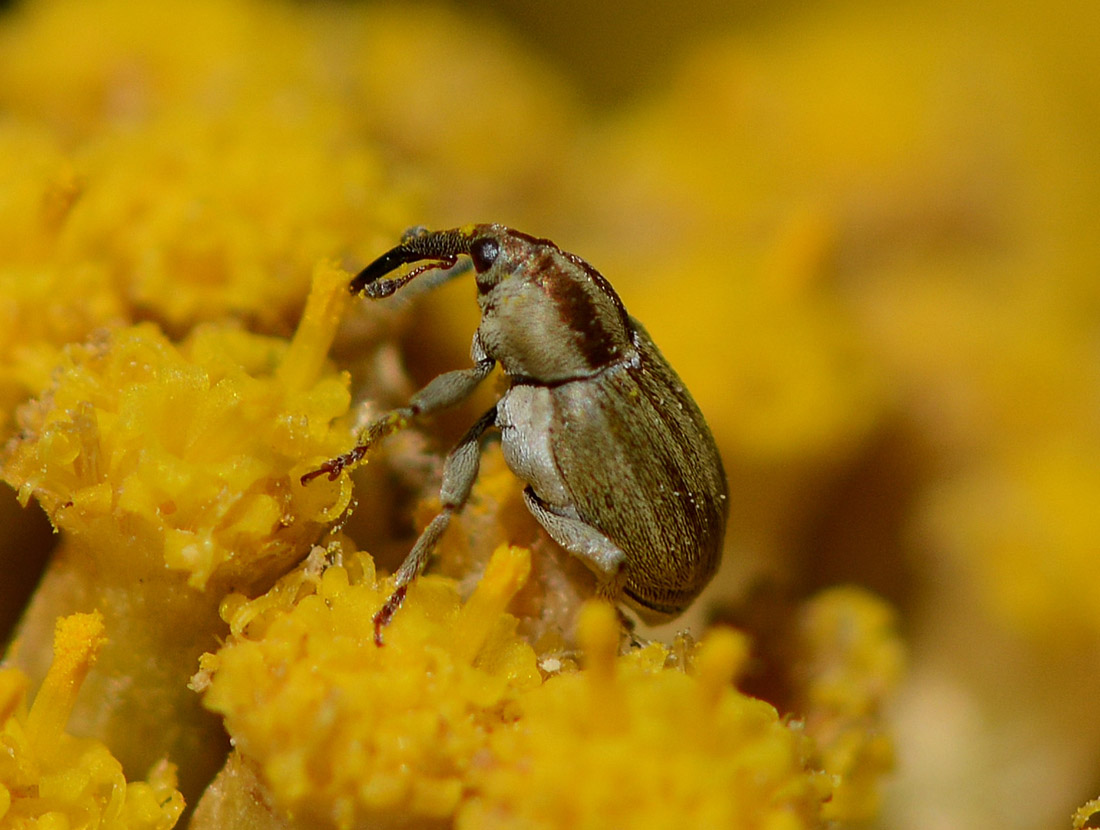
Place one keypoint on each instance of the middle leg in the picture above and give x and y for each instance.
(459, 473)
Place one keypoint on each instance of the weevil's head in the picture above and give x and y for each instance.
(547, 315)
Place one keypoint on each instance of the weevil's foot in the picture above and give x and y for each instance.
(630, 640)
(334, 466)
(386, 612)
(386, 425)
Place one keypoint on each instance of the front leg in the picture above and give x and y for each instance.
(441, 392)
(459, 473)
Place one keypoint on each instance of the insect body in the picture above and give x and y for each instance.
(621, 469)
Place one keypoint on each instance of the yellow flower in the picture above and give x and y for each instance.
(48, 778)
(450, 720)
(139, 443)
(173, 473)
(630, 743)
(346, 732)
(1087, 816)
(851, 662)
(208, 132)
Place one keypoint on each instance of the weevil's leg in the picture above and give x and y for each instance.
(459, 473)
(449, 388)
(441, 392)
(566, 528)
(438, 277)
(629, 640)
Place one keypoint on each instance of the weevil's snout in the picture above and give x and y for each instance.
(436, 249)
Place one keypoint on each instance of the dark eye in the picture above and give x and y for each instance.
(483, 252)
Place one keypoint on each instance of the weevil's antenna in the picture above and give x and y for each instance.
(442, 248)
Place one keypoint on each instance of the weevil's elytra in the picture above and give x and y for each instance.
(621, 469)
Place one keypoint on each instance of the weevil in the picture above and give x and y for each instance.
(619, 464)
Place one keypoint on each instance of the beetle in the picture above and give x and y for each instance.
(620, 466)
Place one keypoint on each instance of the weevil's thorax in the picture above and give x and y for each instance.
(548, 316)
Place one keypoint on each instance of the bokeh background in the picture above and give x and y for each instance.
(865, 234)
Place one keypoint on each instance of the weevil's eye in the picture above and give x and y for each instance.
(483, 252)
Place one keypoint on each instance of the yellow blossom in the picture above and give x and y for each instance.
(850, 662)
(1087, 816)
(43, 304)
(50, 779)
(206, 129)
(449, 719)
(173, 472)
(630, 743)
(139, 435)
(344, 731)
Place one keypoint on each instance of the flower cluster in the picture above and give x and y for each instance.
(864, 239)
(48, 777)
(455, 718)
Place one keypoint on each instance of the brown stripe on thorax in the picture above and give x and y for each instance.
(589, 309)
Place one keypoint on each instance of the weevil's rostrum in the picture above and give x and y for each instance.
(621, 469)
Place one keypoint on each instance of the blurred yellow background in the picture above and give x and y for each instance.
(865, 235)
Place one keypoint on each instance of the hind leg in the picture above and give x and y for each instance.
(582, 540)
